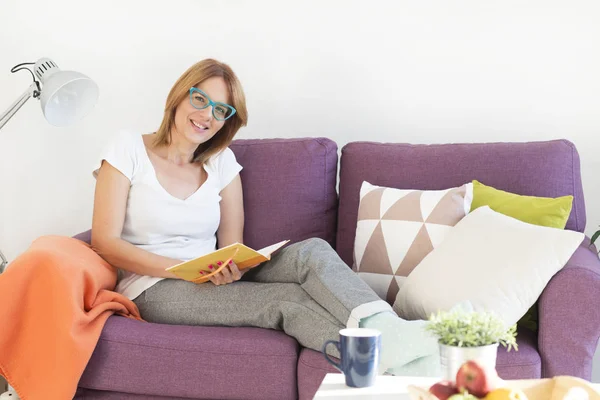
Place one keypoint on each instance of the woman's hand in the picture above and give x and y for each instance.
(230, 273)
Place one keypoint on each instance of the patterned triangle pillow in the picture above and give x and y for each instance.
(397, 228)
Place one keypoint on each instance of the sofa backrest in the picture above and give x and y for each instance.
(289, 189)
(548, 169)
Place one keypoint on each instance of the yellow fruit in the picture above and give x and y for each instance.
(506, 394)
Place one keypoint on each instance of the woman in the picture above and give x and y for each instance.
(175, 194)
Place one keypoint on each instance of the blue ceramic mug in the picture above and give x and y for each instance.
(359, 354)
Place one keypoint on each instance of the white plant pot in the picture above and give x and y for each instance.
(452, 358)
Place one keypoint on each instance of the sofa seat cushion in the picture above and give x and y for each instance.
(89, 394)
(192, 361)
(312, 368)
(523, 364)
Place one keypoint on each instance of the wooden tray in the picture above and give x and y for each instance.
(557, 388)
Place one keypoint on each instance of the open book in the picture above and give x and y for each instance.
(242, 255)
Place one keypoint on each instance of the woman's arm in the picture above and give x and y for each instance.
(231, 228)
(110, 200)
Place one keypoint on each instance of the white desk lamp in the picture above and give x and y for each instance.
(65, 97)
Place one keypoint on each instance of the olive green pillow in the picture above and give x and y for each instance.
(543, 211)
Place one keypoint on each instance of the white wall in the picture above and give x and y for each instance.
(402, 71)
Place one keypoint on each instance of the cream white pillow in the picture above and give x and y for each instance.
(493, 261)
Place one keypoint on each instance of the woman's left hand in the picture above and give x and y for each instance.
(230, 273)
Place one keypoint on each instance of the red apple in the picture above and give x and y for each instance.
(475, 379)
(443, 390)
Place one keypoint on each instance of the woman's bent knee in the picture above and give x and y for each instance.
(314, 244)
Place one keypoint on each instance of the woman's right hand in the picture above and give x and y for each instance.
(229, 274)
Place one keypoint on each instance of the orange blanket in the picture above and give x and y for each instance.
(54, 301)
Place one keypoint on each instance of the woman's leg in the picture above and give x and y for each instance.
(318, 269)
(281, 306)
(325, 277)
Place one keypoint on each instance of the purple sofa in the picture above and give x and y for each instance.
(290, 193)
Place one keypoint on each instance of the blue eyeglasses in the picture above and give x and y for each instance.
(200, 100)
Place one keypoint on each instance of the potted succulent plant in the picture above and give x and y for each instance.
(465, 336)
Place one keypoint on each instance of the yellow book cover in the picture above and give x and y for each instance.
(242, 255)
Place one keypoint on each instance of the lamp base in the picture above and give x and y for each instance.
(10, 395)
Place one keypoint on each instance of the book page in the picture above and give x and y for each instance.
(267, 251)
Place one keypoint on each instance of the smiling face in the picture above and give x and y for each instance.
(193, 128)
(198, 126)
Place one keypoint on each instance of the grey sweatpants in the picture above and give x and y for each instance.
(306, 290)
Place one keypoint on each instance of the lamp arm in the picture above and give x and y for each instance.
(31, 91)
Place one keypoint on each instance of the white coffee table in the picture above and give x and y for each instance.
(386, 387)
(389, 387)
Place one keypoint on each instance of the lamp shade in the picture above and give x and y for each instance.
(67, 96)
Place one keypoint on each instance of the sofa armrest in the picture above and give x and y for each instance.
(85, 236)
(569, 316)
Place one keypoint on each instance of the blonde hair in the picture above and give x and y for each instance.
(195, 75)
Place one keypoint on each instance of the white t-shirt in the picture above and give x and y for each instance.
(160, 223)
